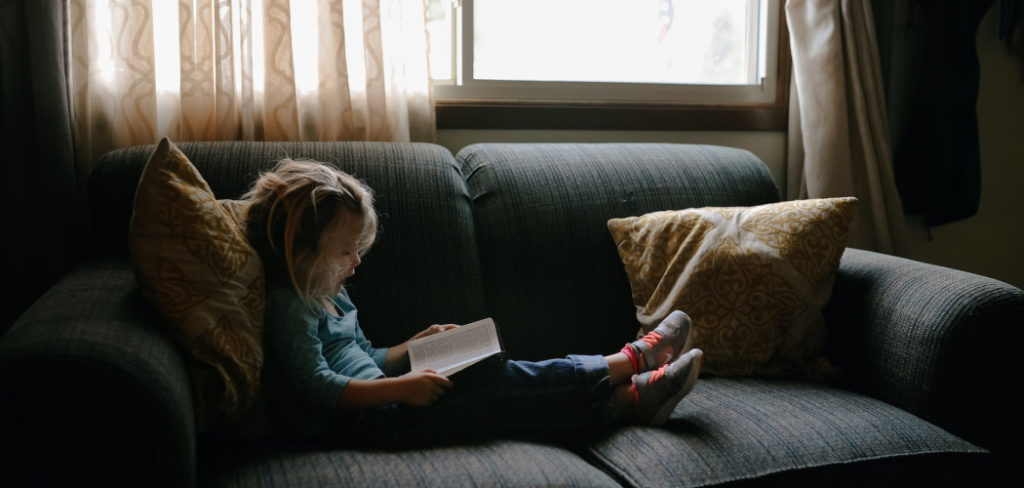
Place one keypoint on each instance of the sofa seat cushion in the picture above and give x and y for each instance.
(731, 429)
(493, 463)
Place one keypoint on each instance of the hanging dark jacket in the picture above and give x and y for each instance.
(930, 67)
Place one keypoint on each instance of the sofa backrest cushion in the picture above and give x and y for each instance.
(426, 231)
(553, 278)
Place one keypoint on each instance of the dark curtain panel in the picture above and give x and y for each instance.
(930, 69)
(41, 203)
(1011, 26)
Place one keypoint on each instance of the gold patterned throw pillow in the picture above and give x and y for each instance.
(195, 266)
(752, 279)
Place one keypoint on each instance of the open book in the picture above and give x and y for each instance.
(454, 350)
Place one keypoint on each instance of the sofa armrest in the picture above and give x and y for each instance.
(940, 343)
(93, 391)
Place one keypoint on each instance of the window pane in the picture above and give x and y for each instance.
(439, 28)
(658, 41)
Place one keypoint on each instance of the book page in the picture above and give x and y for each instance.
(453, 350)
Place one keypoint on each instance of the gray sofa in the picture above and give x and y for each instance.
(95, 393)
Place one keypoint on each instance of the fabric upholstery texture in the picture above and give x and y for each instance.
(112, 392)
(753, 279)
(494, 463)
(541, 213)
(736, 428)
(523, 238)
(940, 343)
(195, 266)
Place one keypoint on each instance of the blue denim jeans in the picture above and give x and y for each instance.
(494, 397)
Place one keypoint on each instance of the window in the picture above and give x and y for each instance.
(607, 63)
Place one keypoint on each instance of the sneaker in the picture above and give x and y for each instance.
(658, 392)
(665, 343)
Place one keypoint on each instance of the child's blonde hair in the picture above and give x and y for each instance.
(290, 211)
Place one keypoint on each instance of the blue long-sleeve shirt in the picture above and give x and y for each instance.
(317, 353)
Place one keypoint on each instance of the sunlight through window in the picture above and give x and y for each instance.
(550, 49)
(305, 46)
(167, 52)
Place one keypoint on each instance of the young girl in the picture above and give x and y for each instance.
(311, 224)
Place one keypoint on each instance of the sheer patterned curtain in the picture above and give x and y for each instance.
(838, 136)
(247, 69)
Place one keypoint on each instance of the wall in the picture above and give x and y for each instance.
(989, 243)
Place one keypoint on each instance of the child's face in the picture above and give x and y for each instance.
(342, 247)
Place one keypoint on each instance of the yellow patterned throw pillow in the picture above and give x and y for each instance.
(753, 279)
(196, 267)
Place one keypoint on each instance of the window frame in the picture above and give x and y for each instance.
(522, 114)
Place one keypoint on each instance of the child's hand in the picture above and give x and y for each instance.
(422, 388)
(434, 329)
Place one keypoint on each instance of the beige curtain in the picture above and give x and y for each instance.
(838, 136)
(247, 69)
